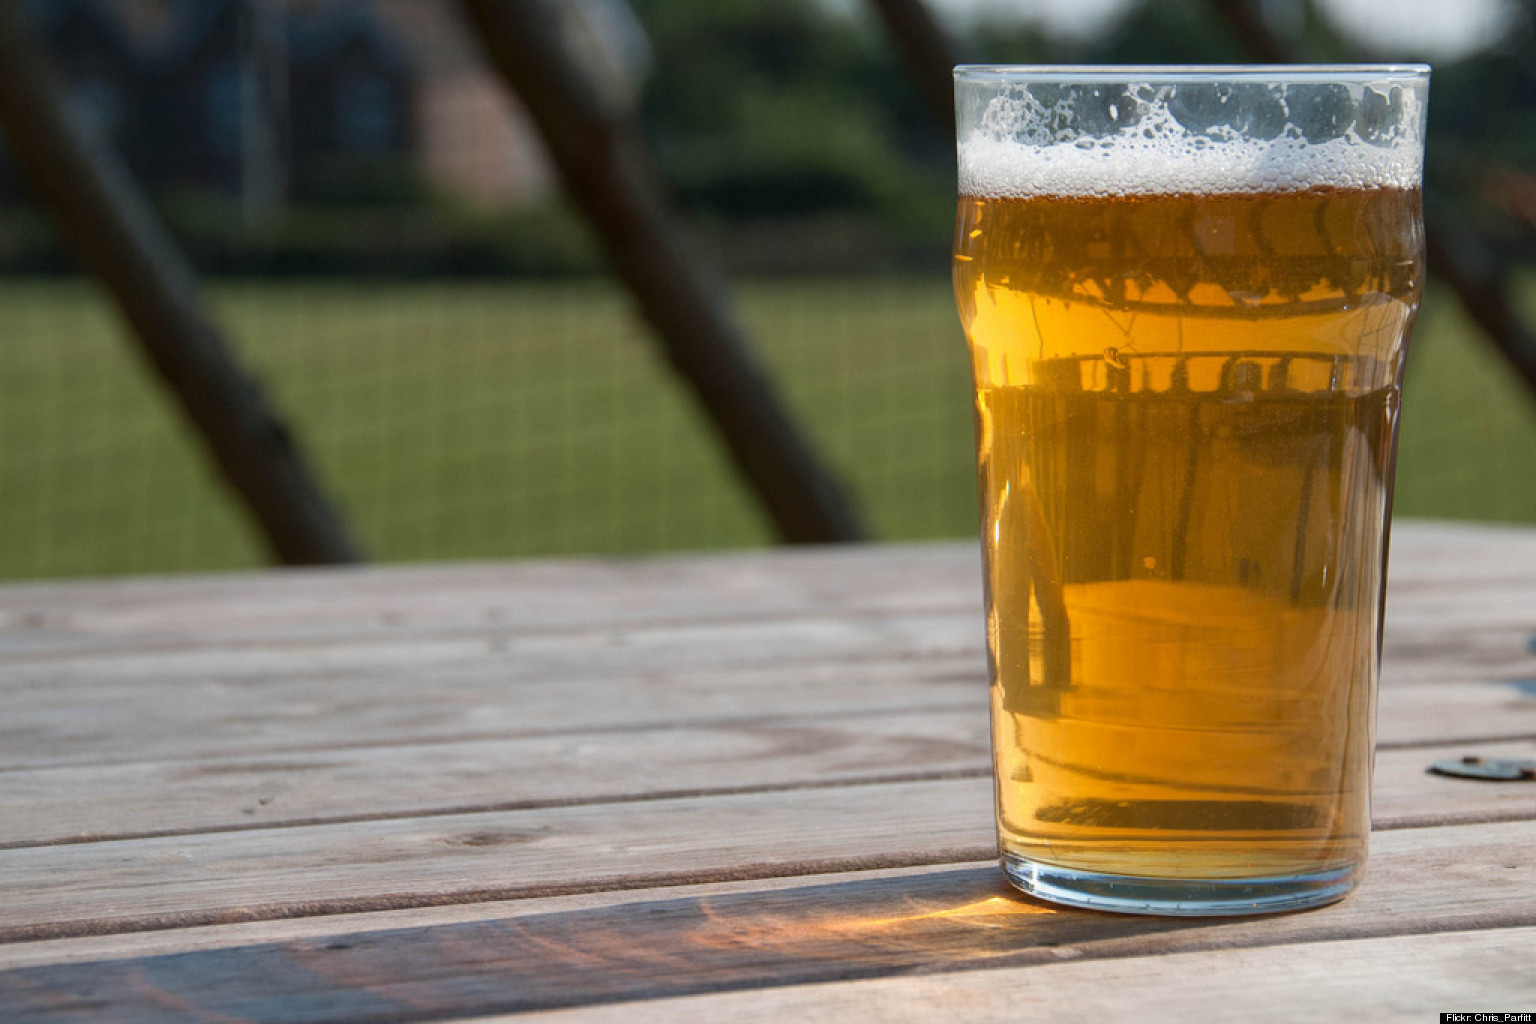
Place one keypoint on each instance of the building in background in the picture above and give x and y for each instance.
(473, 139)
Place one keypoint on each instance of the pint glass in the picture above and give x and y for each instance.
(1187, 294)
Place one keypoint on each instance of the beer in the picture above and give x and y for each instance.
(1186, 408)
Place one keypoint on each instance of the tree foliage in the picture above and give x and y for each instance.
(783, 108)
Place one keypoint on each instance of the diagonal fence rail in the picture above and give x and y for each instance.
(608, 171)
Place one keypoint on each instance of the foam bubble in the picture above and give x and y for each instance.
(1135, 145)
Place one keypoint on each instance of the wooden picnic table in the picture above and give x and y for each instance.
(725, 787)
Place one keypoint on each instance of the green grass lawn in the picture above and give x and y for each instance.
(456, 420)
(1467, 448)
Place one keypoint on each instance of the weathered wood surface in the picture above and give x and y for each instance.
(671, 788)
(97, 888)
(228, 793)
(1440, 882)
(1384, 981)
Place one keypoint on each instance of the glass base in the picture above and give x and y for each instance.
(1177, 897)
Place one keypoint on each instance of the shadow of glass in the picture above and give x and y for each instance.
(926, 922)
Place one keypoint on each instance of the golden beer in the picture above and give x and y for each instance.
(1186, 410)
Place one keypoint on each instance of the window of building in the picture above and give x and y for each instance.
(365, 114)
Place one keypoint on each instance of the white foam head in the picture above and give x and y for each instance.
(1020, 140)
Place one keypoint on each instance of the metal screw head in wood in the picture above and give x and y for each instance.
(1487, 769)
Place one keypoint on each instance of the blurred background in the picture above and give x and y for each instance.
(377, 230)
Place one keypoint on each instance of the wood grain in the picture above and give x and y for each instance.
(588, 594)
(956, 918)
(374, 865)
(1400, 980)
(1444, 577)
(207, 878)
(351, 783)
(721, 785)
(228, 710)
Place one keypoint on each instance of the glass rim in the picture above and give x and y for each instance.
(1170, 73)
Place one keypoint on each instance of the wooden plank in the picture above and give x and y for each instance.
(1407, 795)
(211, 786)
(674, 645)
(1437, 571)
(593, 589)
(1461, 604)
(225, 714)
(590, 595)
(214, 877)
(391, 688)
(1425, 883)
(77, 803)
(537, 594)
(373, 865)
(1435, 711)
(1442, 549)
(680, 694)
(1400, 980)
(458, 660)
(325, 927)
(576, 690)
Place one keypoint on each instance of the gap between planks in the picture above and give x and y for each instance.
(210, 879)
(861, 931)
(513, 806)
(178, 798)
